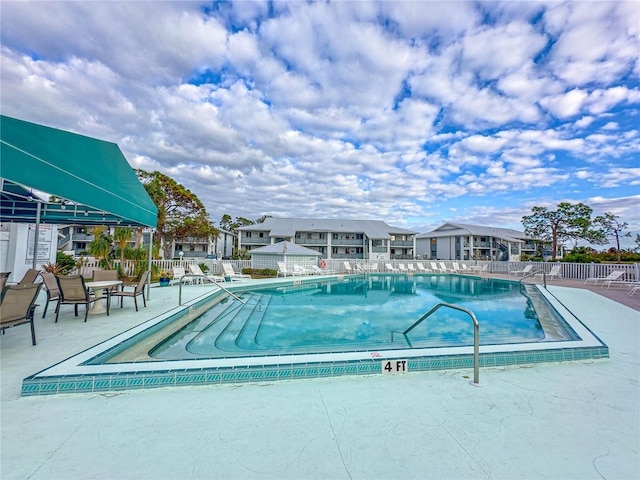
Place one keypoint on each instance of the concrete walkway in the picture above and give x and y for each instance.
(576, 420)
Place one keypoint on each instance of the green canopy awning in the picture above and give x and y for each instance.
(86, 171)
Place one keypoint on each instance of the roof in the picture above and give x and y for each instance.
(455, 229)
(92, 174)
(287, 227)
(284, 248)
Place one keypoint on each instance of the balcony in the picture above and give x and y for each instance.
(336, 242)
(256, 240)
(401, 243)
(311, 241)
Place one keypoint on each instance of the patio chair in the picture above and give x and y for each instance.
(138, 290)
(229, 272)
(402, 268)
(390, 268)
(522, 272)
(411, 268)
(29, 277)
(106, 275)
(421, 268)
(74, 292)
(614, 275)
(51, 287)
(17, 306)
(348, 268)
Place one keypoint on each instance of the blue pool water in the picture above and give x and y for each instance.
(357, 314)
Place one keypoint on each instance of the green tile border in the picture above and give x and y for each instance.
(34, 386)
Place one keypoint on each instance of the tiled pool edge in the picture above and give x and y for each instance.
(99, 383)
(67, 376)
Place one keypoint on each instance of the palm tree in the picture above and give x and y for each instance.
(122, 235)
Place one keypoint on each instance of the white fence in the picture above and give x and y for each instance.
(576, 271)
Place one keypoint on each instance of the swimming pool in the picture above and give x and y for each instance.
(359, 314)
(215, 339)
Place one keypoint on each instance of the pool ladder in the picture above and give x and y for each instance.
(476, 335)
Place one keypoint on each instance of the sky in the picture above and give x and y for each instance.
(414, 113)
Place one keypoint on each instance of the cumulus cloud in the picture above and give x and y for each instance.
(403, 111)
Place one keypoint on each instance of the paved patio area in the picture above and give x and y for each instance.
(577, 420)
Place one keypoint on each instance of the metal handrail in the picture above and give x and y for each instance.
(537, 272)
(476, 335)
(217, 284)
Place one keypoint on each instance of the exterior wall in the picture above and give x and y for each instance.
(18, 241)
(270, 260)
(339, 245)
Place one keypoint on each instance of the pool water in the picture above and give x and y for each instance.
(356, 314)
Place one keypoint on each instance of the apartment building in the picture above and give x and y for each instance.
(456, 241)
(333, 238)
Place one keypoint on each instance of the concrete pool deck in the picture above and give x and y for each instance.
(575, 420)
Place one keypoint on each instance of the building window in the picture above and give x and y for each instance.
(261, 234)
(248, 234)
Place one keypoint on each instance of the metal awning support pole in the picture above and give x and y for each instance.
(37, 235)
(149, 262)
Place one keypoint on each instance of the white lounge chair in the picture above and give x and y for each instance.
(553, 273)
(402, 268)
(390, 268)
(302, 270)
(612, 277)
(434, 267)
(229, 272)
(522, 272)
(283, 271)
(411, 268)
(178, 273)
(196, 270)
(348, 268)
(421, 268)
(444, 268)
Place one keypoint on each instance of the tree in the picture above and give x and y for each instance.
(180, 213)
(122, 235)
(100, 247)
(567, 222)
(610, 227)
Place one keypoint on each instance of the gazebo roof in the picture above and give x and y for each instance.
(284, 248)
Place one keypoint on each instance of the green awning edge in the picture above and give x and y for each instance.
(82, 169)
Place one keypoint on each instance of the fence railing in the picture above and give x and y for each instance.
(575, 271)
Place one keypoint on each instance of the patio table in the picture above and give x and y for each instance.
(98, 288)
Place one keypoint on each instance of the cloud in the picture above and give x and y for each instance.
(402, 111)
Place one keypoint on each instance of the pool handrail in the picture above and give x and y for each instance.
(476, 335)
(217, 284)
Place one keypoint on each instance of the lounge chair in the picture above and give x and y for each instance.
(302, 270)
(321, 271)
(284, 271)
(74, 292)
(434, 267)
(348, 268)
(373, 268)
(421, 268)
(17, 306)
(402, 268)
(139, 290)
(51, 287)
(444, 268)
(196, 270)
(390, 267)
(526, 270)
(228, 272)
(613, 276)
(178, 273)
(553, 273)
